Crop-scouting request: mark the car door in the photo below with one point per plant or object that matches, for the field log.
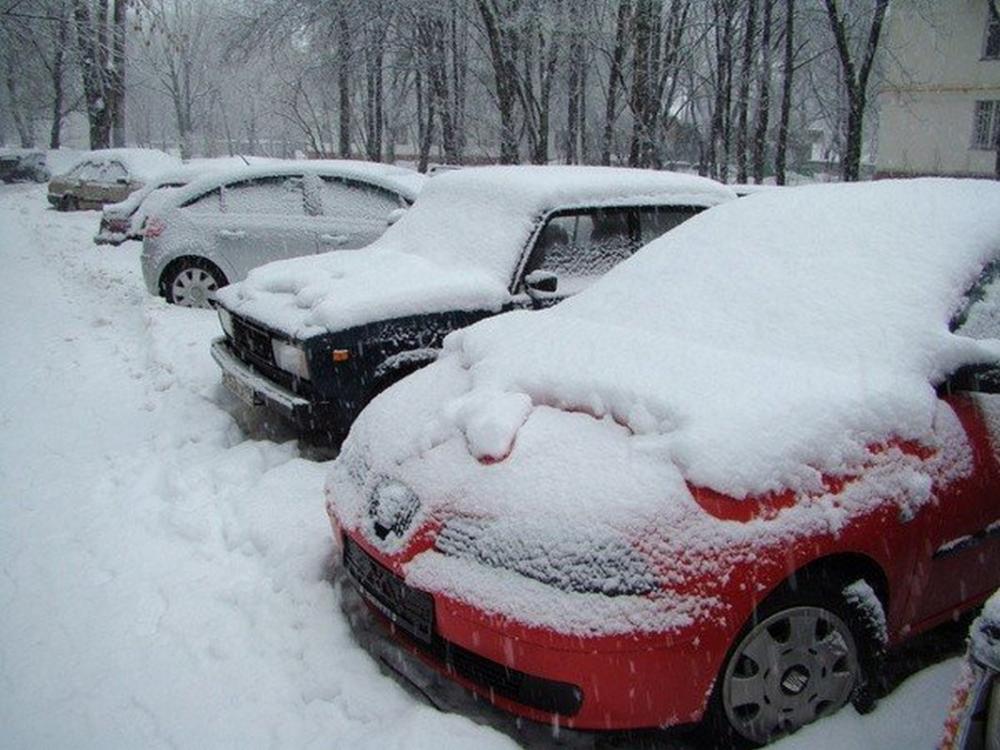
(263, 219)
(960, 560)
(353, 213)
(576, 247)
(111, 184)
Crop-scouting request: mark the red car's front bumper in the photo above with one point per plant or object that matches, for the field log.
(605, 682)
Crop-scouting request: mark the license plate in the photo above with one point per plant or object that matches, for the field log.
(408, 608)
(238, 388)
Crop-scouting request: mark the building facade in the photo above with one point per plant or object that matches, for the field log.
(939, 110)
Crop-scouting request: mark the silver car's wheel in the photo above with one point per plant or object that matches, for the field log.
(193, 286)
(790, 669)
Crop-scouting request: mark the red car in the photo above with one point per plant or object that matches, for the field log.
(714, 487)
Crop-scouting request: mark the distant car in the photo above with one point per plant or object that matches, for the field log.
(23, 165)
(126, 220)
(315, 339)
(107, 176)
(713, 487)
(974, 721)
(215, 230)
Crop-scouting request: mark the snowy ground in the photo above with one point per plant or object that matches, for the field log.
(165, 581)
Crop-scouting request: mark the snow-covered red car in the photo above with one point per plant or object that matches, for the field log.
(974, 720)
(716, 485)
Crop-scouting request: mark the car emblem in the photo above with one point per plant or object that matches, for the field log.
(392, 507)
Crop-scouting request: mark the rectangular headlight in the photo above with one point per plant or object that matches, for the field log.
(290, 358)
(226, 320)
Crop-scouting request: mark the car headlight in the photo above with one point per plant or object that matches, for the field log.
(602, 564)
(226, 321)
(290, 358)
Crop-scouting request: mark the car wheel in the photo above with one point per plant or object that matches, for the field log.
(801, 658)
(192, 282)
(68, 203)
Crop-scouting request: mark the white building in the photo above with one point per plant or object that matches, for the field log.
(940, 108)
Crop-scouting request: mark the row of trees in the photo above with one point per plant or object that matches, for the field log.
(736, 87)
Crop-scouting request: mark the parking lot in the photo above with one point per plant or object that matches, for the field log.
(166, 580)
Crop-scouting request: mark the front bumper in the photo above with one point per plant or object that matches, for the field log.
(629, 681)
(255, 389)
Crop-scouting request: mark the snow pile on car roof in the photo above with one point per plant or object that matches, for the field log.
(142, 163)
(769, 339)
(458, 247)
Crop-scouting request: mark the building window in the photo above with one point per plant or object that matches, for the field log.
(986, 125)
(991, 50)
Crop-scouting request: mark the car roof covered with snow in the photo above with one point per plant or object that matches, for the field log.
(142, 163)
(458, 247)
(406, 182)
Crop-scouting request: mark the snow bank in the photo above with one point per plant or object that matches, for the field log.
(468, 231)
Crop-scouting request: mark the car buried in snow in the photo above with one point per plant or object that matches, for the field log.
(215, 230)
(974, 720)
(314, 339)
(712, 488)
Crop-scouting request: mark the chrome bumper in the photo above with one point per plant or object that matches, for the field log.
(250, 386)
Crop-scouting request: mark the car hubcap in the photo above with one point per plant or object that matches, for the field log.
(194, 287)
(791, 669)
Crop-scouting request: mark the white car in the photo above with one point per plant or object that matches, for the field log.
(216, 229)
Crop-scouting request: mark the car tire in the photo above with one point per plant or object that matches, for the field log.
(805, 653)
(68, 203)
(192, 282)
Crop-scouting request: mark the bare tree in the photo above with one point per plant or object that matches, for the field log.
(615, 78)
(855, 79)
(759, 146)
(99, 32)
(743, 102)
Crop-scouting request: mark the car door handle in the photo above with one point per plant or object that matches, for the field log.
(234, 233)
(333, 239)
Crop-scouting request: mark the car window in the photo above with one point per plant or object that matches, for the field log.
(584, 244)
(89, 172)
(659, 220)
(979, 317)
(113, 171)
(266, 195)
(208, 203)
(356, 200)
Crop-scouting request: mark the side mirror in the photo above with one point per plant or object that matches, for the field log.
(540, 284)
(395, 215)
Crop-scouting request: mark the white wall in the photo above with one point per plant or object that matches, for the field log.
(935, 75)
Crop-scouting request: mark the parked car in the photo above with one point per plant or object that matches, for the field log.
(715, 486)
(126, 220)
(23, 165)
(974, 720)
(315, 339)
(107, 176)
(212, 232)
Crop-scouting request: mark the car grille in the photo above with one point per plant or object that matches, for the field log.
(252, 345)
(407, 608)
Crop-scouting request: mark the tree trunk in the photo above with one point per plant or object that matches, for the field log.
(614, 78)
(573, 86)
(92, 67)
(743, 106)
(58, 68)
(503, 59)
(781, 155)
(344, 82)
(116, 74)
(763, 97)
(855, 81)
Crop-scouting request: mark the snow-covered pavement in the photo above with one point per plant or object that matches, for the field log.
(163, 579)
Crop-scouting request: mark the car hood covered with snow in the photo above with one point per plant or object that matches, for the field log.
(765, 347)
(457, 248)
